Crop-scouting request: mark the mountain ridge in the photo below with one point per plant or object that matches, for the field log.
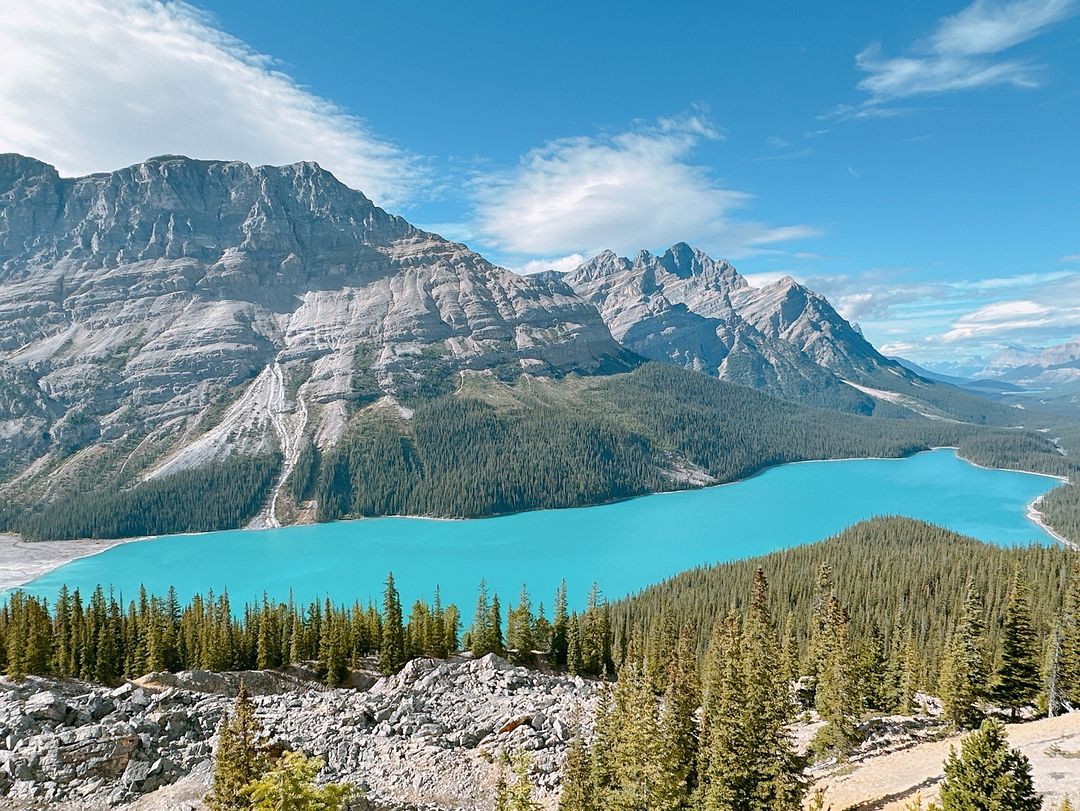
(181, 315)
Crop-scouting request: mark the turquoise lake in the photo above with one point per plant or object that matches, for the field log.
(623, 546)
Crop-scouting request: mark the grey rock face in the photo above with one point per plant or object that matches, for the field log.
(131, 301)
(687, 308)
(425, 738)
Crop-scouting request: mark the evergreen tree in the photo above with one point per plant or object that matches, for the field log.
(515, 794)
(602, 764)
(963, 671)
(577, 794)
(1068, 686)
(837, 695)
(871, 671)
(575, 663)
(646, 777)
(722, 767)
(1016, 681)
(988, 776)
(678, 723)
(595, 639)
(290, 786)
(494, 627)
(519, 630)
(768, 707)
(480, 634)
(239, 758)
(392, 652)
(560, 629)
(542, 630)
(909, 675)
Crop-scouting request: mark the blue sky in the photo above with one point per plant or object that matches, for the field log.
(920, 165)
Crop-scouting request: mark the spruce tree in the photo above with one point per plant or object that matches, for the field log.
(908, 681)
(239, 758)
(493, 642)
(290, 786)
(645, 773)
(988, 776)
(837, 695)
(769, 707)
(392, 653)
(678, 722)
(560, 628)
(1016, 682)
(518, 792)
(724, 781)
(602, 764)
(963, 671)
(519, 630)
(577, 794)
(480, 633)
(1069, 667)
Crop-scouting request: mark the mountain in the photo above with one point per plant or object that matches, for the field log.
(988, 386)
(153, 302)
(190, 345)
(1056, 368)
(684, 307)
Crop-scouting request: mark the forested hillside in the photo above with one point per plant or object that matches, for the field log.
(216, 496)
(493, 447)
(703, 663)
(921, 574)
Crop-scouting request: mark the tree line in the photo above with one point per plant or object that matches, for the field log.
(491, 448)
(920, 580)
(101, 639)
(221, 495)
(673, 734)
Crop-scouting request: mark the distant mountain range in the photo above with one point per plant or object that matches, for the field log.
(175, 313)
(1056, 368)
(1051, 371)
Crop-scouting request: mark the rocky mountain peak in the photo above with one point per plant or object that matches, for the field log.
(15, 168)
(134, 300)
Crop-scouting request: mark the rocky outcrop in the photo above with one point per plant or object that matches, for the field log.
(425, 738)
(139, 303)
(685, 307)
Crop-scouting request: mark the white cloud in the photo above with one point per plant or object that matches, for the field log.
(96, 85)
(765, 277)
(1010, 317)
(931, 321)
(1072, 257)
(631, 190)
(987, 27)
(560, 264)
(963, 53)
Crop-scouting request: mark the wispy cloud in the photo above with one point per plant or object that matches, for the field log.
(965, 51)
(1072, 257)
(560, 264)
(95, 85)
(625, 191)
(931, 320)
(1010, 318)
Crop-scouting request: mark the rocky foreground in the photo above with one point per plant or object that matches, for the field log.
(427, 738)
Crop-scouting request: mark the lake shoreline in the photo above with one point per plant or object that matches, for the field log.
(23, 561)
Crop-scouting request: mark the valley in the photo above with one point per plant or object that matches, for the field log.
(255, 429)
(615, 545)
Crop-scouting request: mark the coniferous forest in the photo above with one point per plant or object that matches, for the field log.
(900, 628)
(491, 448)
(702, 665)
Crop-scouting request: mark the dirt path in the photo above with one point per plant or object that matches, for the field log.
(889, 782)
